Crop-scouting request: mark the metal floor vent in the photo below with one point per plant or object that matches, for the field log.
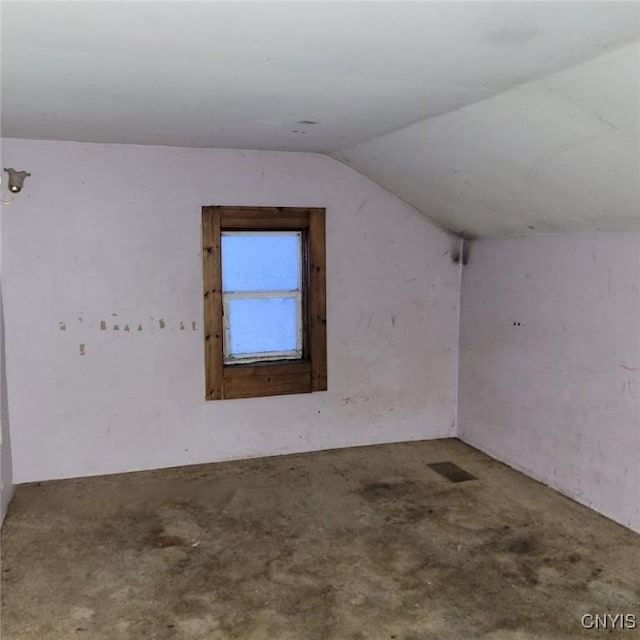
(451, 471)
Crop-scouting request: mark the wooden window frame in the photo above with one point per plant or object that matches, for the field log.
(270, 378)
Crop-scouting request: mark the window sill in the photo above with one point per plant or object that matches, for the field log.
(267, 379)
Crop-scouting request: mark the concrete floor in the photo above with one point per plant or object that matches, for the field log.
(356, 544)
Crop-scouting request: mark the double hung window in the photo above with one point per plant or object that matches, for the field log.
(264, 301)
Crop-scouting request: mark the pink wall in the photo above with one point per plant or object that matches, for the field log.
(557, 396)
(6, 474)
(111, 233)
(6, 463)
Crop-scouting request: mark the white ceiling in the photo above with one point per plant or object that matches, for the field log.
(558, 154)
(498, 141)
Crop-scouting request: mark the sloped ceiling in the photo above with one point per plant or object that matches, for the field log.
(491, 118)
(561, 153)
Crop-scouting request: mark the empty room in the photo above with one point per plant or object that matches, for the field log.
(320, 320)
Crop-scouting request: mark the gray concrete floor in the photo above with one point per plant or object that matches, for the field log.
(356, 544)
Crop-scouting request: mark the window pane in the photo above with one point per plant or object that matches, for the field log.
(268, 261)
(258, 325)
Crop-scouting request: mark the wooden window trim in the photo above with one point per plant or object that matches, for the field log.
(226, 381)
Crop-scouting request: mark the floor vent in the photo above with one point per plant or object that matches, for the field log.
(451, 471)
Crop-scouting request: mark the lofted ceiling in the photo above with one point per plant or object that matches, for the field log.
(557, 154)
(492, 118)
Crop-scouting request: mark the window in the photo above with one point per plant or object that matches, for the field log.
(264, 301)
(261, 295)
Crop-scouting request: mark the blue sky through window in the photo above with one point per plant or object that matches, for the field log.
(262, 325)
(267, 261)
